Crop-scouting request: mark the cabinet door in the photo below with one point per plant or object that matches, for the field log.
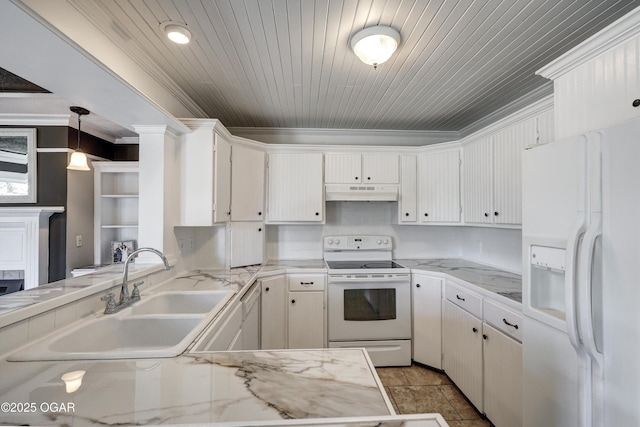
(502, 378)
(439, 187)
(342, 168)
(380, 168)
(273, 313)
(247, 184)
(245, 243)
(478, 182)
(427, 320)
(508, 147)
(306, 320)
(221, 180)
(462, 345)
(296, 192)
(408, 201)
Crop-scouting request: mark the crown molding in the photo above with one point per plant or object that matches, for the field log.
(619, 32)
(17, 119)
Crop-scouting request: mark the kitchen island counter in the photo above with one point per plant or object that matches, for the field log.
(206, 388)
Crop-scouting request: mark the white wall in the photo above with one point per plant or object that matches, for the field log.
(491, 246)
(79, 219)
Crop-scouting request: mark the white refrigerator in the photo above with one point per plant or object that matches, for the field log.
(581, 280)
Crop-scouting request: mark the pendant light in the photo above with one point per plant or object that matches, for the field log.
(78, 161)
(375, 45)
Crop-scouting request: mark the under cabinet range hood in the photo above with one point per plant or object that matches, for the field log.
(361, 193)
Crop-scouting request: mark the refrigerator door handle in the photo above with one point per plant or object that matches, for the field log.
(570, 297)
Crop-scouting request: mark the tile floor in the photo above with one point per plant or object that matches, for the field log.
(416, 389)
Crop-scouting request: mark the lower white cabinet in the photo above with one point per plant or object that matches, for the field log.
(273, 313)
(462, 345)
(245, 243)
(306, 311)
(502, 378)
(427, 319)
(251, 318)
(225, 334)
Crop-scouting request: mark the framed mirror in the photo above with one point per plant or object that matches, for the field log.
(17, 165)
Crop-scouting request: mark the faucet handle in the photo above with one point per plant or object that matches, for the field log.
(135, 294)
(111, 303)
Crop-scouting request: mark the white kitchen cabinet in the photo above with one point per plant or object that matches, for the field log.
(247, 183)
(427, 319)
(206, 175)
(295, 188)
(224, 334)
(306, 325)
(492, 175)
(273, 313)
(502, 378)
(306, 311)
(439, 186)
(462, 348)
(408, 198)
(115, 207)
(245, 243)
(345, 168)
(251, 317)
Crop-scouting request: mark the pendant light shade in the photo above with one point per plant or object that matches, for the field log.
(375, 45)
(78, 159)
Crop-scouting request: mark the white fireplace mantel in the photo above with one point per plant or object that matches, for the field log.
(24, 241)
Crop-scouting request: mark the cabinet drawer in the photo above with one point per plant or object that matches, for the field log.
(306, 282)
(503, 319)
(467, 300)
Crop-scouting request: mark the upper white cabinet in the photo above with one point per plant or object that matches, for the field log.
(408, 198)
(247, 183)
(206, 175)
(492, 175)
(295, 188)
(342, 168)
(439, 186)
(115, 207)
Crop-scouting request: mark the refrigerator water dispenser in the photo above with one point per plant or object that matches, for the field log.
(547, 280)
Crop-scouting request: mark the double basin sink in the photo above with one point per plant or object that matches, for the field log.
(160, 325)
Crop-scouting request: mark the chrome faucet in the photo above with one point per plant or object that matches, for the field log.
(125, 299)
(124, 291)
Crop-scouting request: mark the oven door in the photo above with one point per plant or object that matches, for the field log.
(363, 307)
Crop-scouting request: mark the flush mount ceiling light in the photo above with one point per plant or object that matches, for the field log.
(176, 32)
(374, 45)
(78, 161)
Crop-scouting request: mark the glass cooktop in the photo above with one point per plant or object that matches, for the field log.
(351, 265)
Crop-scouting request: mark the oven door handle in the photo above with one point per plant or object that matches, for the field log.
(368, 279)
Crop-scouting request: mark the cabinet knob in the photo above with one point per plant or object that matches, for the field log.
(636, 103)
(293, 301)
(486, 214)
(484, 337)
(266, 289)
(317, 213)
(369, 178)
(407, 214)
(417, 285)
(356, 178)
(259, 229)
(475, 330)
(496, 213)
(426, 214)
(259, 213)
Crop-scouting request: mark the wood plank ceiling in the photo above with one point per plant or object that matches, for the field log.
(287, 63)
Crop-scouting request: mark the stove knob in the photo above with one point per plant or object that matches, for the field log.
(330, 241)
(379, 241)
(386, 241)
(337, 241)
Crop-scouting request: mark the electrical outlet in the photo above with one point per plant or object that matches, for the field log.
(191, 243)
(181, 244)
(78, 240)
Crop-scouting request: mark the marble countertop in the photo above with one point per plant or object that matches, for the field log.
(196, 389)
(493, 280)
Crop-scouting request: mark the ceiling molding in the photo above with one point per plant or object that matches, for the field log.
(366, 137)
(127, 140)
(18, 119)
(617, 33)
(543, 93)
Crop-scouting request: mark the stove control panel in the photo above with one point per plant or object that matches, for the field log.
(354, 243)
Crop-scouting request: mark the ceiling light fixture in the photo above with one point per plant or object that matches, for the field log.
(375, 45)
(177, 33)
(78, 161)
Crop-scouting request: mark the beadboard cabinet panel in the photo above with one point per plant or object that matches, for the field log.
(342, 168)
(439, 187)
(478, 181)
(247, 184)
(408, 199)
(380, 168)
